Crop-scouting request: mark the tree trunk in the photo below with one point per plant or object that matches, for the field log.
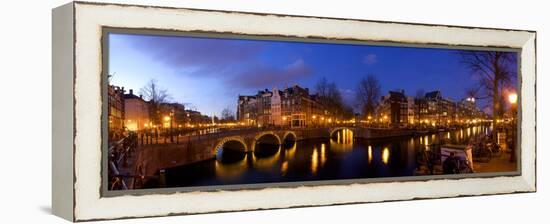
(495, 110)
(496, 101)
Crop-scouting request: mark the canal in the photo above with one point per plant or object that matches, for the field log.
(340, 157)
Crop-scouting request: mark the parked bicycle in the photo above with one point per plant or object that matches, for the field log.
(481, 152)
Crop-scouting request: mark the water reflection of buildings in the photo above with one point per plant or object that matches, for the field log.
(231, 170)
(266, 162)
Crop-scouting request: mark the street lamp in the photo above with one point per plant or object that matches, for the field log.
(168, 118)
(513, 98)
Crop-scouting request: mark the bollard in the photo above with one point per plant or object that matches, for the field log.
(162, 178)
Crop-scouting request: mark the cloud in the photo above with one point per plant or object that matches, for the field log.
(370, 59)
(196, 56)
(237, 63)
(265, 76)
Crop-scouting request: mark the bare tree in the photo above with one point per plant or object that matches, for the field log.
(494, 72)
(157, 97)
(227, 115)
(367, 94)
(330, 96)
(473, 92)
(322, 87)
(335, 97)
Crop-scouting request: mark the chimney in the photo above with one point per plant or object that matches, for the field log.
(131, 92)
(140, 96)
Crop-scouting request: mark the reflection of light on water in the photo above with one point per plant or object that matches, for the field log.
(314, 161)
(318, 158)
(230, 170)
(266, 162)
(344, 140)
(426, 141)
(323, 156)
(411, 143)
(370, 154)
(461, 133)
(291, 152)
(345, 136)
(385, 155)
(284, 168)
(468, 132)
(448, 135)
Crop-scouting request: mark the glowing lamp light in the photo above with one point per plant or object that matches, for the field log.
(166, 118)
(513, 98)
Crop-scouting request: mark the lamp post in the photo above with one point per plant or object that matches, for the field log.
(513, 98)
(169, 119)
(172, 126)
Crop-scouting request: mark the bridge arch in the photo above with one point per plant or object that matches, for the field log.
(289, 135)
(268, 137)
(334, 130)
(229, 140)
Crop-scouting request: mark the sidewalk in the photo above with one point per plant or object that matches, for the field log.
(497, 164)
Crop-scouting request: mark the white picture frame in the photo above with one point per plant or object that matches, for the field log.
(77, 110)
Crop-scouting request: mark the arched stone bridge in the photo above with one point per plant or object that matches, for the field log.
(204, 147)
(248, 140)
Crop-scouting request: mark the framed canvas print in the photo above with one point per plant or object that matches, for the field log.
(182, 111)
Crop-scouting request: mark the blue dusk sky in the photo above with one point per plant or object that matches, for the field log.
(208, 74)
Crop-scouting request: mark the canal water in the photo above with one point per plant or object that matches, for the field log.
(340, 157)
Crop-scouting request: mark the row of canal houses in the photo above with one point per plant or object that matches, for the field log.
(295, 107)
(130, 112)
(292, 107)
(433, 109)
